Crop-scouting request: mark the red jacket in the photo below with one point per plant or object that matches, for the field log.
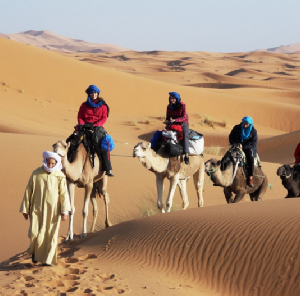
(97, 116)
(178, 115)
(297, 154)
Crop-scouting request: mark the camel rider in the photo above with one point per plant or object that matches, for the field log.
(176, 114)
(297, 154)
(244, 135)
(96, 111)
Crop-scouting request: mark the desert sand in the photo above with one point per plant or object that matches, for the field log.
(238, 249)
(51, 41)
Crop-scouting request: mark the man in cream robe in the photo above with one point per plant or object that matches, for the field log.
(46, 202)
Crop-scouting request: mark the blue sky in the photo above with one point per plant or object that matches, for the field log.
(174, 25)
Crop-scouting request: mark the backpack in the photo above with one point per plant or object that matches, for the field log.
(107, 143)
(173, 150)
(156, 141)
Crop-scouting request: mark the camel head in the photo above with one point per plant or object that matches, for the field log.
(61, 148)
(141, 149)
(284, 171)
(211, 165)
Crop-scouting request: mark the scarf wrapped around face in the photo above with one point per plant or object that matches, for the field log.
(245, 132)
(92, 104)
(49, 154)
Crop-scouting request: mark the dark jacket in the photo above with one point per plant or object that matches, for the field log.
(235, 137)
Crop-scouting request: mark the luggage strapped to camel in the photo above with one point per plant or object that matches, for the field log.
(170, 138)
(94, 138)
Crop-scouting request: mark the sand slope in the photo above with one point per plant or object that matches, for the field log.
(291, 48)
(243, 249)
(48, 40)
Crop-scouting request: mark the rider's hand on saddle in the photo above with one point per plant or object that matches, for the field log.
(172, 120)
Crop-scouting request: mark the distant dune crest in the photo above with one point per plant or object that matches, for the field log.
(48, 40)
(292, 48)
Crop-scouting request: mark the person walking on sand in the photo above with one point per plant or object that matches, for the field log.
(46, 202)
(95, 110)
(176, 114)
(244, 135)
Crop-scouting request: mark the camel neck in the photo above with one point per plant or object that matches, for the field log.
(223, 178)
(155, 163)
(73, 170)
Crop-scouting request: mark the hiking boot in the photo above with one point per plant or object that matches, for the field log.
(250, 183)
(109, 173)
(187, 160)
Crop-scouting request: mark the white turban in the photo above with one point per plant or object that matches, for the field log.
(49, 154)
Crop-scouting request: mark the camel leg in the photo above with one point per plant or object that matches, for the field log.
(253, 196)
(160, 191)
(95, 206)
(261, 190)
(173, 183)
(85, 211)
(239, 196)
(71, 190)
(106, 201)
(199, 182)
(183, 193)
(228, 195)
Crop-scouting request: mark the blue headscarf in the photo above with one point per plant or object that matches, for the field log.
(93, 88)
(245, 132)
(92, 104)
(178, 99)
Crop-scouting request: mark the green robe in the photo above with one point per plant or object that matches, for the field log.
(45, 198)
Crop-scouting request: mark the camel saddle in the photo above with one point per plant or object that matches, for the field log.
(237, 155)
(91, 137)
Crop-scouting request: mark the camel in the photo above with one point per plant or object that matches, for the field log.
(290, 179)
(81, 173)
(178, 173)
(233, 179)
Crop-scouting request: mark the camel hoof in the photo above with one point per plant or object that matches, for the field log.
(83, 235)
(108, 224)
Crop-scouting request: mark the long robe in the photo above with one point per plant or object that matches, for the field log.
(45, 198)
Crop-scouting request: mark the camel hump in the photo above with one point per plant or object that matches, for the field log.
(174, 164)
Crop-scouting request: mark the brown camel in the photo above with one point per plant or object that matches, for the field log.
(290, 178)
(176, 171)
(81, 173)
(235, 183)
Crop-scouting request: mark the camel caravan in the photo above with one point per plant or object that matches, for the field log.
(174, 153)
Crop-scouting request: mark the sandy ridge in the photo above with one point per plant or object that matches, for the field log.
(201, 246)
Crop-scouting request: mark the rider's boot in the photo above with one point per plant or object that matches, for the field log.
(250, 183)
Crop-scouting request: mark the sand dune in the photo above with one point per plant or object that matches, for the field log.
(48, 40)
(292, 48)
(279, 149)
(243, 249)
